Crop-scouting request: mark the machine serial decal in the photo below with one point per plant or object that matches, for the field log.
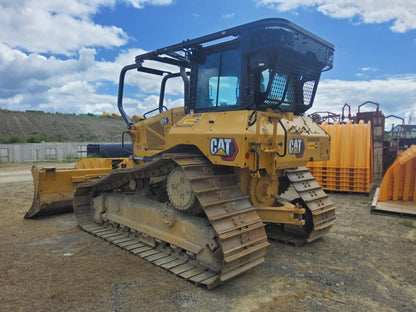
(296, 147)
(226, 148)
(193, 120)
(183, 125)
(312, 145)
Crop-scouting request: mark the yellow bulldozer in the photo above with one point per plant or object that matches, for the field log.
(202, 185)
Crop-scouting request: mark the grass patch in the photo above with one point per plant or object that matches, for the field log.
(71, 159)
(57, 138)
(34, 138)
(408, 223)
(37, 138)
(13, 139)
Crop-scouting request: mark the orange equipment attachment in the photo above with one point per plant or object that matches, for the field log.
(350, 165)
(397, 192)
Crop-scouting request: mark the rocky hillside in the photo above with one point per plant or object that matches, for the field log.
(34, 126)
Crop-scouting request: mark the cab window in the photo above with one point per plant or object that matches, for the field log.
(219, 80)
(287, 90)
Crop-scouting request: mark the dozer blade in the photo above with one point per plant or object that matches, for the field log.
(54, 187)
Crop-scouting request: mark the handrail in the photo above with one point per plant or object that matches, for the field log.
(276, 118)
(285, 144)
(160, 109)
(162, 89)
(120, 93)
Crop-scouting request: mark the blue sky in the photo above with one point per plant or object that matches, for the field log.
(65, 56)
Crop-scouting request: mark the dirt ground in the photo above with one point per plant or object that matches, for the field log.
(367, 263)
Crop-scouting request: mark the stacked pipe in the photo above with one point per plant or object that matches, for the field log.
(108, 150)
(350, 166)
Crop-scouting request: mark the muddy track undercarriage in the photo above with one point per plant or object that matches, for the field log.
(319, 211)
(233, 235)
(207, 241)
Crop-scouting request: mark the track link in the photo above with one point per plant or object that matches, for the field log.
(240, 231)
(320, 214)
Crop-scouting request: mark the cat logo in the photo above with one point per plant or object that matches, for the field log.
(296, 147)
(226, 148)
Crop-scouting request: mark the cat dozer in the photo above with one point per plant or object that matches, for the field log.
(203, 184)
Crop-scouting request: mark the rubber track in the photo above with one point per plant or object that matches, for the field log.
(321, 207)
(240, 230)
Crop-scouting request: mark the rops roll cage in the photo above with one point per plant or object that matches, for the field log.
(180, 55)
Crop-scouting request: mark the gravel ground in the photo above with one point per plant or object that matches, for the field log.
(367, 263)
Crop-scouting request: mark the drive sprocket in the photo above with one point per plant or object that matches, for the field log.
(180, 191)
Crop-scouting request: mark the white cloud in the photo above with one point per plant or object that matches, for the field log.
(21, 72)
(151, 102)
(71, 97)
(59, 27)
(228, 15)
(396, 95)
(402, 13)
(138, 4)
(366, 72)
(82, 96)
(175, 103)
(48, 57)
(33, 81)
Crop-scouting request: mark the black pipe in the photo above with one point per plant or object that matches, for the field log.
(120, 93)
(110, 150)
(186, 85)
(285, 150)
(162, 89)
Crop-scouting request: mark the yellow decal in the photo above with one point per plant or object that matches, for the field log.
(220, 152)
(191, 121)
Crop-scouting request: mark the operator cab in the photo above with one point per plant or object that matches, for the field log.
(257, 71)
